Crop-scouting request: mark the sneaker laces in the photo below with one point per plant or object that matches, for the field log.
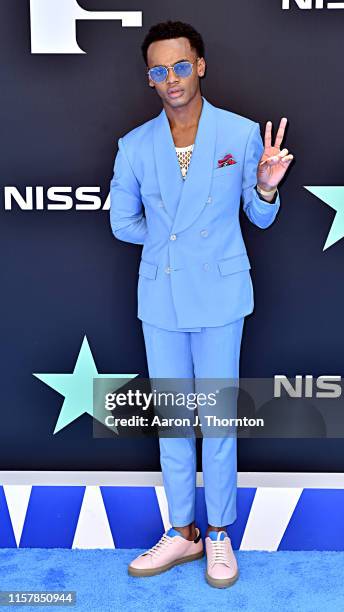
(164, 541)
(219, 552)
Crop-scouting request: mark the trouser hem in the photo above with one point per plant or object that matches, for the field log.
(178, 522)
(217, 521)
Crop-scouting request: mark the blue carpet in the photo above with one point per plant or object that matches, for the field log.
(284, 580)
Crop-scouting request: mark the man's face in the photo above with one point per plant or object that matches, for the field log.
(175, 91)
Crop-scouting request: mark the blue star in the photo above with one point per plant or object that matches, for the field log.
(334, 197)
(77, 388)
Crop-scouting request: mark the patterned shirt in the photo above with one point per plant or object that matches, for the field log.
(184, 158)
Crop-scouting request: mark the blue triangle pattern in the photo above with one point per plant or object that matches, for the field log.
(52, 516)
(7, 539)
(134, 516)
(317, 522)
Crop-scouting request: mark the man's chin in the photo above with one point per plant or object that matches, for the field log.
(176, 102)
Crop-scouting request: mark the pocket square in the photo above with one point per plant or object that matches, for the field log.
(227, 160)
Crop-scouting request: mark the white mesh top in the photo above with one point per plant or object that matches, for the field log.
(184, 158)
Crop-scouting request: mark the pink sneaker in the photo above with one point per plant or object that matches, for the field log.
(222, 568)
(172, 549)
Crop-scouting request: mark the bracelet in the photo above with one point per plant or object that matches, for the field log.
(266, 193)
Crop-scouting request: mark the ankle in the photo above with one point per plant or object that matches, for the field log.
(213, 528)
(188, 532)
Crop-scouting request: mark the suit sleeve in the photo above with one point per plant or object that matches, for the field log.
(259, 211)
(126, 210)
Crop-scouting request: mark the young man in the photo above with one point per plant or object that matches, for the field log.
(187, 169)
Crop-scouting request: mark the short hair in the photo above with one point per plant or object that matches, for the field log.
(173, 29)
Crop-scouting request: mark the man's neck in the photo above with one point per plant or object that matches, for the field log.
(184, 121)
(186, 117)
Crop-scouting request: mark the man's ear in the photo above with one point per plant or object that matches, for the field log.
(201, 67)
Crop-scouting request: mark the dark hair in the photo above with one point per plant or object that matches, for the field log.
(173, 29)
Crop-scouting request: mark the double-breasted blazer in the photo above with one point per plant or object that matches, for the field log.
(194, 270)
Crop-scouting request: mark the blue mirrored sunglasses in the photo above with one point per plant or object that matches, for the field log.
(158, 74)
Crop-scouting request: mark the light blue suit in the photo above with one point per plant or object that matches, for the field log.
(194, 287)
(194, 270)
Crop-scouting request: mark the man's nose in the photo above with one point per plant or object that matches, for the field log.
(171, 77)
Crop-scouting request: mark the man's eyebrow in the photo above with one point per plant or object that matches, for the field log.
(184, 59)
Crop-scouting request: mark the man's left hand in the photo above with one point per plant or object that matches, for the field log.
(274, 163)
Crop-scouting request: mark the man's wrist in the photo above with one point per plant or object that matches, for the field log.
(266, 194)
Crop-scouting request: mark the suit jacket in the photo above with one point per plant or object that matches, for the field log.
(194, 270)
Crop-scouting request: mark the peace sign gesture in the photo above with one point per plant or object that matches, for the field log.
(274, 163)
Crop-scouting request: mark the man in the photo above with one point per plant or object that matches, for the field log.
(187, 169)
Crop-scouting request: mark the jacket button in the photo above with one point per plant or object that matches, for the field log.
(204, 233)
(168, 270)
(173, 237)
(160, 204)
(206, 266)
(209, 200)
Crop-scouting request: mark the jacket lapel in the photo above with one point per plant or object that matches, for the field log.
(184, 199)
(200, 171)
(167, 165)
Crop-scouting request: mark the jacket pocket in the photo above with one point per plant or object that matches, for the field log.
(224, 170)
(237, 263)
(148, 269)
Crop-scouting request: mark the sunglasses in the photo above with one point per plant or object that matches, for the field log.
(183, 69)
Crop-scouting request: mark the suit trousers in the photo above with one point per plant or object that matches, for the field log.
(211, 352)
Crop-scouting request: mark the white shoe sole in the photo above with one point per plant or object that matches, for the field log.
(133, 571)
(221, 583)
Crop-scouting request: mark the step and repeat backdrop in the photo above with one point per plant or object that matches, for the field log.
(72, 82)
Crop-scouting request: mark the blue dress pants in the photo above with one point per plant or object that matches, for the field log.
(211, 352)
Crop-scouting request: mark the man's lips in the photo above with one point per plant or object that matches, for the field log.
(175, 92)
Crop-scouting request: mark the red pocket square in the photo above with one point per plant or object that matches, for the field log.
(227, 160)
